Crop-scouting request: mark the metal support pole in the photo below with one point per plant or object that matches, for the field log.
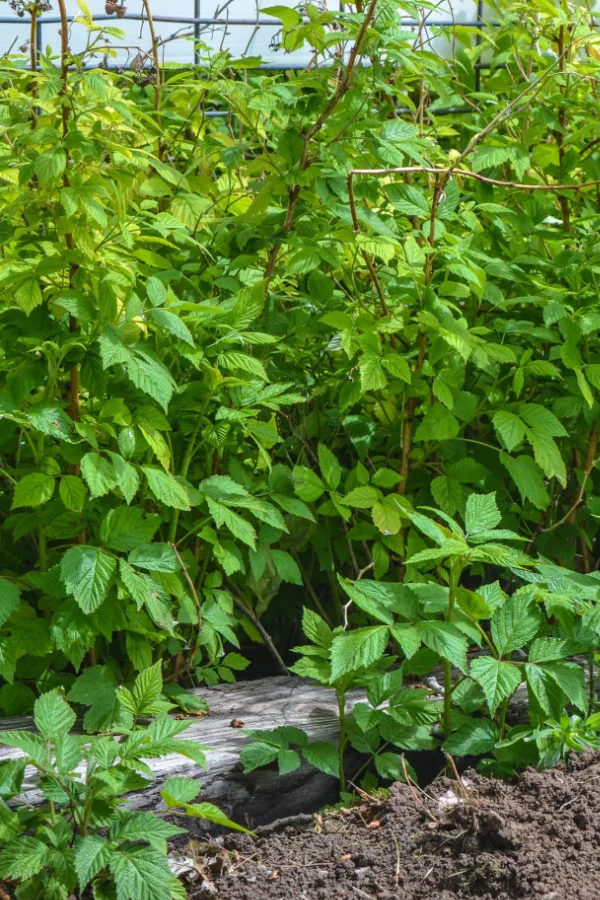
(196, 32)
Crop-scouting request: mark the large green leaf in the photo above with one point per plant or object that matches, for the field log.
(166, 488)
(482, 513)
(87, 573)
(499, 680)
(9, 599)
(446, 640)
(33, 490)
(357, 649)
(514, 624)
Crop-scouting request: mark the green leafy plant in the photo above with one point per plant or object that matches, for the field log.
(78, 833)
(272, 359)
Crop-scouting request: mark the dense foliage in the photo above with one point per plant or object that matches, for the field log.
(252, 323)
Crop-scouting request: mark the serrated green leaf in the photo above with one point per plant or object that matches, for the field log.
(141, 872)
(498, 680)
(286, 566)
(33, 490)
(446, 640)
(9, 599)
(52, 714)
(362, 497)
(307, 484)
(357, 649)
(509, 428)
(474, 738)
(92, 854)
(482, 513)
(23, 858)
(330, 467)
(323, 756)
(72, 492)
(155, 557)
(514, 624)
(152, 377)
(87, 574)
(126, 528)
(258, 754)
(98, 473)
(166, 488)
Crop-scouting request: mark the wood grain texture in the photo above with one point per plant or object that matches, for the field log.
(260, 796)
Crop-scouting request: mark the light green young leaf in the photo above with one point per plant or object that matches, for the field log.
(362, 497)
(207, 811)
(72, 492)
(307, 484)
(316, 629)
(99, 474)
(509, 428)
(33, 490)
(438, 424)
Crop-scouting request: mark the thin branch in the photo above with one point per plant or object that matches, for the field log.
(243, 607)
(464, 173)
(190, 582)
(589, 464)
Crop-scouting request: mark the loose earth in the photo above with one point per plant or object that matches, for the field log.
(536, 838)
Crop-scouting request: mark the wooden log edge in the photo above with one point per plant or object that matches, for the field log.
(261, 796)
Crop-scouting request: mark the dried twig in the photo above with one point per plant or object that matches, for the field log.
(415, 796)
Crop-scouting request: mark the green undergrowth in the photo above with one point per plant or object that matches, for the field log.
(298, 367)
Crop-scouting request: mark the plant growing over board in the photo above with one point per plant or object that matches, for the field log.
(77, 834)
(435, 617)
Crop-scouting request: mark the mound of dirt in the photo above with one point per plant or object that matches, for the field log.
(537, 838)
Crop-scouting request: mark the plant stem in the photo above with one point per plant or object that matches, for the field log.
(502, 720)
(455, 571)
(341, 700)
(185, 465)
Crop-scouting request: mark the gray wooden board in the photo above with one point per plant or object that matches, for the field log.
(260, 796)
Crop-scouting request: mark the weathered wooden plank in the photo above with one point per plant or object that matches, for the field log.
(259, 796)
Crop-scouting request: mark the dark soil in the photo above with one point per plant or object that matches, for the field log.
(537, 838)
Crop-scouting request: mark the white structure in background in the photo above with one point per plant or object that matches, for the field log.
(243, 30)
